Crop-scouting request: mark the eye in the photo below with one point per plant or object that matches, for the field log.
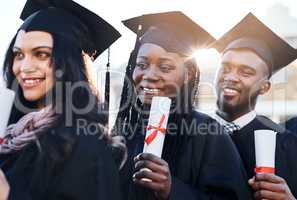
(42, 55)
(226, 69)
(166, 67)
(247, 72)
(18, 55)
(141, 65)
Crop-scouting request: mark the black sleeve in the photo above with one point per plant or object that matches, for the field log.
(223, 174)
(216, 169)
(180, 190)
(90, 173)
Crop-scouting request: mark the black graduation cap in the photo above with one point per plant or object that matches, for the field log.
(71, 20)
(174, 31)
(250, 33)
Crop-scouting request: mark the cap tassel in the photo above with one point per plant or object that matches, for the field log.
(107, 87)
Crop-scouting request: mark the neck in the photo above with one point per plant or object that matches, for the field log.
(229, 117)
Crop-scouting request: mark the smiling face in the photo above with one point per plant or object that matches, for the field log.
(243, 75)
(32, 63)
(158, 73)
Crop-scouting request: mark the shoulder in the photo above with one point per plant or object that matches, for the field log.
(291, 125)
(267, 123)
(213, 132)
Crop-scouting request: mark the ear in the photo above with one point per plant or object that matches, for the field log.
(265, 86)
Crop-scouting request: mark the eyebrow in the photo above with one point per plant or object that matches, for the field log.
(143, 57)
(36, 48)
(239, 65)
(166, 59)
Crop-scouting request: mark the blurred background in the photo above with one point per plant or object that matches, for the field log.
(215, 16)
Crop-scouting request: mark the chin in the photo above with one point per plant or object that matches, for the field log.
(33, 97)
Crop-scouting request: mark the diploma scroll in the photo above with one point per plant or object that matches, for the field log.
(156, 128)
(265, 143)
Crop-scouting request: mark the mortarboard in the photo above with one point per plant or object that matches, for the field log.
(67, 18)
(250, 33)
(174, 31)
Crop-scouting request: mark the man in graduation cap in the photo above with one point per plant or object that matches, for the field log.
(199, 161)
(251, 54)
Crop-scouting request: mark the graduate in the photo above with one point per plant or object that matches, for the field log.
(251, 53)
(199, 161)
(48, 150)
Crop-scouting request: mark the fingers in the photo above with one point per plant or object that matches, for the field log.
(270, 186)
(155, 186)
(264, 185)
(269, 178)
(163, 169)
(147, 174)
(265, 194)
(150, 157)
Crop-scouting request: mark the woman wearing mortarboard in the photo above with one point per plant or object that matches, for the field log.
(198, 160)
(54, 146)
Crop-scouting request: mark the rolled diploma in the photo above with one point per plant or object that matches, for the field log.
(6, 102)
(265, 143)
(158, 119)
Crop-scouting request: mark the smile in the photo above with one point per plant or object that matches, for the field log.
(151, 90)
(231, 91)
(31, 82)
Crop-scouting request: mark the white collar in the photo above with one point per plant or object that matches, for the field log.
(241, 121)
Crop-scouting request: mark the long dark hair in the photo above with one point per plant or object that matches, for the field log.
(57, 144)
(70, 69)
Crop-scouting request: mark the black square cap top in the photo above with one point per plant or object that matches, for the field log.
(174, 31)
(69, 19)
(250, 33)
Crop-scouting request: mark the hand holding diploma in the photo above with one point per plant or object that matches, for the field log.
(152, 172)
(266, 184)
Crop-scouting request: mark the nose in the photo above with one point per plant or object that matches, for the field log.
(151, 74)
(27, 65)
(231, 76)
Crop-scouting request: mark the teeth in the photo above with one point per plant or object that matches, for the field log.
(228, 90)
(31, 82)
(151, 90)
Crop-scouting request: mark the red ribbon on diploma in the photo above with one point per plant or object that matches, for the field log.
(268, 170)
(1, 140)
(154, 134)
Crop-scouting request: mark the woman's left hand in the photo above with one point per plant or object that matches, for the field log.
(153, 172)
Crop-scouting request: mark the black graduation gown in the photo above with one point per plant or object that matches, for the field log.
(88, 172)
(291, 125)
(209, 166)
(286, 148)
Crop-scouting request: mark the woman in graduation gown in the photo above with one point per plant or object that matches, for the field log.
(198, 161)
(54, 147)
